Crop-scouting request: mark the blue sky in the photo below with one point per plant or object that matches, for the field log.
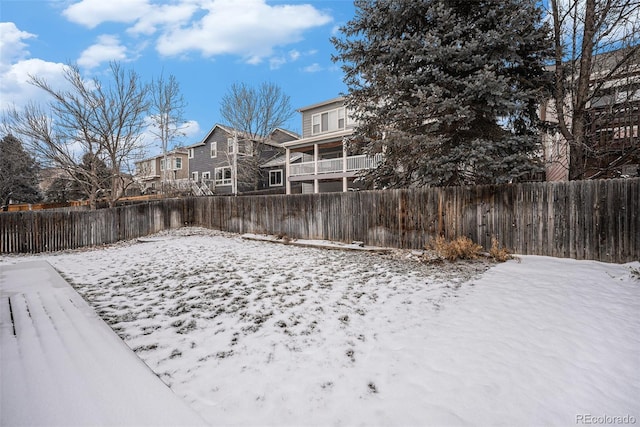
(207, 44)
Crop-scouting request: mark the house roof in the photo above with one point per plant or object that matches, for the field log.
(226, 129)
(231, 131)
(179, 150)
(281, 160)
(286, 131)
(320, 104)
(319, 139)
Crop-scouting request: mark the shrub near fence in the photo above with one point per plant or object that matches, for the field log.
(595, 219)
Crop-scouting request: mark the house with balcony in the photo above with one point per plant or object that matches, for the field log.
(319, 162)
(153, 172)
(227, 161)
(612, 138)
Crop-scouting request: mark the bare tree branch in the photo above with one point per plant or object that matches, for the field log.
(596, 42)
(167, 115)
(103, 121)
(254, 113)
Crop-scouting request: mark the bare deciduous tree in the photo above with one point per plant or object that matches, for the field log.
(596, 49)
(167, 115)
(91, 118)
(254, 113)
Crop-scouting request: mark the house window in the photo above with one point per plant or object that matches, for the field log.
(206, 175)
(214, 150)
(340, 118)
(230, 145)
(223, 175)
(162, 164)
(194, 176)
(191, 153)
(178, 163)
(275, 178)
(329, 121)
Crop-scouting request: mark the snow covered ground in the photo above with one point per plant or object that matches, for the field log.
(258, 333)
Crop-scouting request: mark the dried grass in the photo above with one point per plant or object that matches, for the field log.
(499, 253)
(460, 248)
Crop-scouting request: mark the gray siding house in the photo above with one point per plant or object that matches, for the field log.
(319, 161)
(223, 150)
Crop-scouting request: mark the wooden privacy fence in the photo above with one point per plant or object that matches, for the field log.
(39, 231)
(596, 219)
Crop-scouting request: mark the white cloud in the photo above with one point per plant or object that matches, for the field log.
(164, 16)
(12, 47)
(294, 55)
(276, 62)
(191, 128)
(14, 87)
(15, 68)
(313, 68)
(249, 28)
(91, 13)
(107, 48)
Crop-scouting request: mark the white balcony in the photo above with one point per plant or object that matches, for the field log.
(353, 163)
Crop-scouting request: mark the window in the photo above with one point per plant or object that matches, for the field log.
(230, 145)
(329, 121)
(191, 153)
(194, 176)
(178, 163)
(206, 175)
(162, 164)
(214, 149)
(324, 121)
(223, 175)
(275, 178)
(340, 118)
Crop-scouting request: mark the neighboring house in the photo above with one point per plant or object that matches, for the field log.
(151, 172)
(612, 139)
(48, 176)
(319, 162)
(223, 150)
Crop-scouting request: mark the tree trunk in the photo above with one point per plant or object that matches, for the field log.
(577, 145)
(577, 152)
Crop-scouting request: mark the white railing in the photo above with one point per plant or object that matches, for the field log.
(202, 188)
(354, 163)
(180, 184)
(330, 165)
(304, 168)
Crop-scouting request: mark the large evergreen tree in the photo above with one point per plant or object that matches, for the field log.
(18, 173)
(448, 89)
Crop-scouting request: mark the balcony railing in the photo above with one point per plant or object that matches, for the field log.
(354, 163)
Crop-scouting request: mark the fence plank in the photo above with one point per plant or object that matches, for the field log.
(583, 219)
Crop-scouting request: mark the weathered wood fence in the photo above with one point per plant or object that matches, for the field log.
(596, 219)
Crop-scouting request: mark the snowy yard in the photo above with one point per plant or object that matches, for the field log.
(257, 333)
